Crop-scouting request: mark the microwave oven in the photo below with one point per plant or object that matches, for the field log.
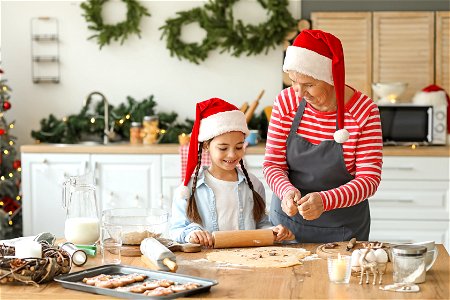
(408, 123)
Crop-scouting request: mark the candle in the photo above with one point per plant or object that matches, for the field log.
(27, 249)
(339, 269)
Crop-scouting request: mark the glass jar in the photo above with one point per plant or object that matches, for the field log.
(409, 263)
(135, 133)
(150, 130)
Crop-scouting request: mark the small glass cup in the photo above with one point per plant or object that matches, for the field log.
(339, 269)
(110, 243)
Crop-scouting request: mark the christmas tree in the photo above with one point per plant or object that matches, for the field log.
(10, 167)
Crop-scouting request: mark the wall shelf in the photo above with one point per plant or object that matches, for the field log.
(45, 50)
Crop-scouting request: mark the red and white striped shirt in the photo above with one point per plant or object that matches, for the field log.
(362, 152)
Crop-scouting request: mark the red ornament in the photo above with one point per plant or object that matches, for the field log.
(6, 105)
(17, 164)
(2, 131)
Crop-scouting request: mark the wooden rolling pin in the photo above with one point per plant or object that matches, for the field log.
(249, 112)
(243, 238)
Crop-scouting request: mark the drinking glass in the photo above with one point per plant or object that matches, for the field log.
(111, 243)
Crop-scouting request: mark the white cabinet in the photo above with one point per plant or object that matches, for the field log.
(411, 204)
(124, 180)
(42, 179)
(171, 178)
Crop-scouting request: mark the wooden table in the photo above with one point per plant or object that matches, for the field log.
(309, 281)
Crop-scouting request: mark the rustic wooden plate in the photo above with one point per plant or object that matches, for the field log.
(341, 247)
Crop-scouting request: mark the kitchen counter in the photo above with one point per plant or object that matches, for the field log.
(125, 148)
(309, 280)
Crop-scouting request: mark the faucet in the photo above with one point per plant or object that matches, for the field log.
(108, 132)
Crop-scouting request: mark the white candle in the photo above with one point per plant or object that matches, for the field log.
(27, 249)
(339, 269)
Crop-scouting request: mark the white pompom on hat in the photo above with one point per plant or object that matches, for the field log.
(320, 55)
(213, 118)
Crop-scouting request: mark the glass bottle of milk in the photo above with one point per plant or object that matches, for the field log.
(82, 221)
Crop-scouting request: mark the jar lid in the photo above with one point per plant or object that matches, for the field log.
(409, 250)
(150, 118)
(135, 124)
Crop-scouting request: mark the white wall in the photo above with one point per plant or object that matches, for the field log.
(139, 68)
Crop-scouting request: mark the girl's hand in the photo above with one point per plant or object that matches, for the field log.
(282, 233)
(311, 206)
(289, 202)
(201, 237)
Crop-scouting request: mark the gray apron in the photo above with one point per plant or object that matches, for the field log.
(314, 168)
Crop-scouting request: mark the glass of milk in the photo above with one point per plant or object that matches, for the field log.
(82, 225)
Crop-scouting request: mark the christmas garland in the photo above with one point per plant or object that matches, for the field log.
(216, 18)
(105, 32)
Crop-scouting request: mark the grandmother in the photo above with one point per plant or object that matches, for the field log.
(324, 146)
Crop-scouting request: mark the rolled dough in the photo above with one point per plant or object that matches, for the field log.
(260, 257)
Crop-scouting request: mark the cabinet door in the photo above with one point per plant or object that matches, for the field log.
(127, 180)
(403, 49)
(42, 179)
(169, 185)
(443, 49)
(410, 200)
(354, 29)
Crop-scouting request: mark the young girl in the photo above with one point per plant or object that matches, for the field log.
(222, 196)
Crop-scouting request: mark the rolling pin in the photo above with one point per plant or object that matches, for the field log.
(243, 238)
(251, 109)
(159, 255)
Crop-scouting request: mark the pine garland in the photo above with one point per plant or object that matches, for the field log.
(224, 33)
(106, 32)
(79, 128)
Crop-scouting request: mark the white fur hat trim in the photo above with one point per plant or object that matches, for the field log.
(438, 98)
(220, 123)
(308, 62)
(341, 136)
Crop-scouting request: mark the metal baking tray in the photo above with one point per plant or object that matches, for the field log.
(74, 281)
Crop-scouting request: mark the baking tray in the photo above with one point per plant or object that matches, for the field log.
(74, 281)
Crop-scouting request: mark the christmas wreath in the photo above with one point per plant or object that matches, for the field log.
(193, 52)
(251, 39)
(106, 32)
(223, 32)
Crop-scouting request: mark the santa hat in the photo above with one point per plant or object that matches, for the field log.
(319, 54)
(213, 117)
(434, 95)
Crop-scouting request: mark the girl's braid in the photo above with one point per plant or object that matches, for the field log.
(192, 210)
(259, 206)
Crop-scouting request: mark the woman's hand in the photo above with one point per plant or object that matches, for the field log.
(310, 206)
(201, 237)
(289, 202)
(282, 233)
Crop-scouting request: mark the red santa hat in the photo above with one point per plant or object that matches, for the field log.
(213, 117)
(434, 95)
(319, 54)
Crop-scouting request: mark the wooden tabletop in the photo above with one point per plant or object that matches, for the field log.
(309, 281)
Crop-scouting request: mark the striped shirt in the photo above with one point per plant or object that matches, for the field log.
(362, 152)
